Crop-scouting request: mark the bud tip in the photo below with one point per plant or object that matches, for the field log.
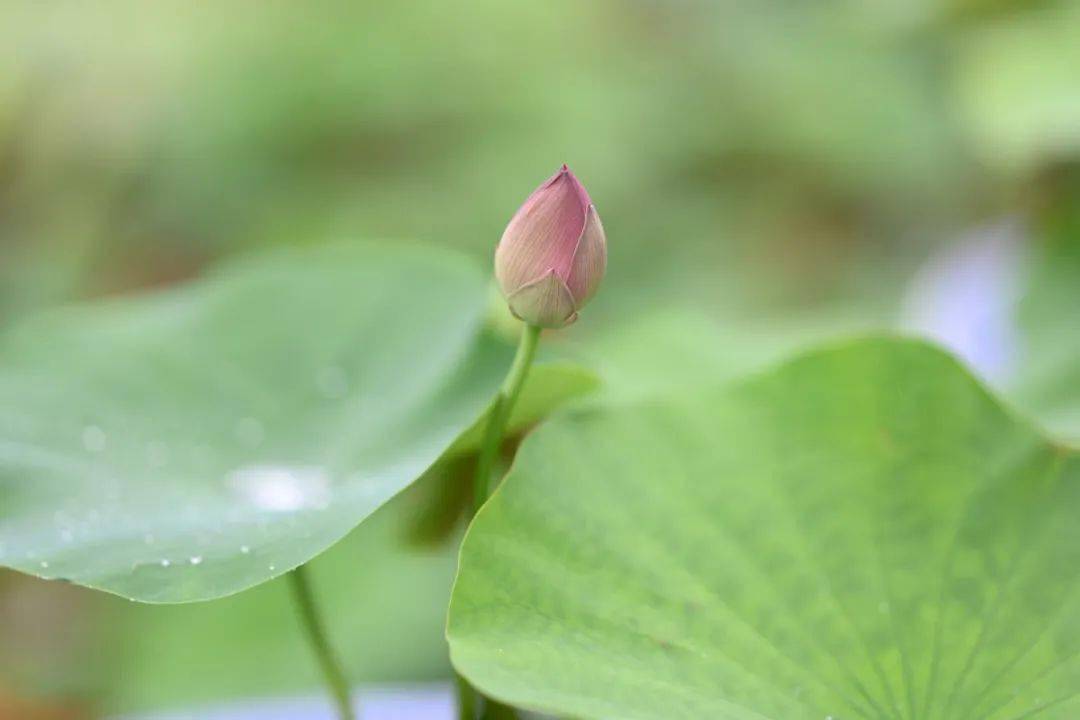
(553, 253)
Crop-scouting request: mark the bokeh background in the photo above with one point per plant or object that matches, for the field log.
(769, 173)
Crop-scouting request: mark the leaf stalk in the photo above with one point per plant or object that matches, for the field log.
(315, 629)
(472, 705)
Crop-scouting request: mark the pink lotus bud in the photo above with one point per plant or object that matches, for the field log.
(552, 254)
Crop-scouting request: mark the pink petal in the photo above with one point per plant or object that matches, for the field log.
(543, 234)
(590, 260)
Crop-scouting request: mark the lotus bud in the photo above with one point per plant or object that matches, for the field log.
(553, 253)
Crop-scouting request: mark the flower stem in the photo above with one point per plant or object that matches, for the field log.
(316, 632)
(472, 705)
(468, 700)
(500, 411)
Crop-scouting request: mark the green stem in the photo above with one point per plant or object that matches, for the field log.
(469, 702)
(316, 632)
(472, 705)
(494, 710)
(500, 411)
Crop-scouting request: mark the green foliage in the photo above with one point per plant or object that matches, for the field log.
(194, 443)
(670, 351)
(1048, 381)
(549, 385)
(779, 167)
(384, 605)
(444, 493)
(862, 533)
(1016, 88)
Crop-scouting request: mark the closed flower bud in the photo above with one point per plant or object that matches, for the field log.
(553, 253)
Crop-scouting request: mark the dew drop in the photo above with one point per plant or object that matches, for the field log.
(44, 564)
(94, 439)
(244, 550)
(165, 562)
(195, 559)
(272, 568)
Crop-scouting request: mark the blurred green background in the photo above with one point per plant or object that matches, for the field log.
(767, 172)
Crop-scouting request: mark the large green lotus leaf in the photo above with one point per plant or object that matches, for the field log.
(863, 533)
(375, 592)
(193, 443)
